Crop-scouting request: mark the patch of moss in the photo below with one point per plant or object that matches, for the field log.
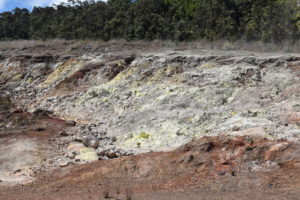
(144, 135)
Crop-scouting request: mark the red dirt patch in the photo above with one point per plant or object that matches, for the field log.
(213, 167)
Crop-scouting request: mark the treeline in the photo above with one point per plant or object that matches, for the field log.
(180, 20)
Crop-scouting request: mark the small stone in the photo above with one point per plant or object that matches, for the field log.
(71, 155)
(189, 158)
(70, 123)
(101, 152)
(90, 142)
(17, 171)
(111, 155)
(122, 153)
(114, 139)
(63, 133)
(179, 132)
(87, 141)
(129, 153)
(51, 161)
(1, 181)
(94, 143)
(64, 164)
(236, 128)
(40, 129)
(78, 139)
(103, 133)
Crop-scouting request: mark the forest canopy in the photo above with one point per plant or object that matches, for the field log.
(180, 20)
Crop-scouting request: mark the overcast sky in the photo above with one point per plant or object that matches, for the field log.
(6, 5)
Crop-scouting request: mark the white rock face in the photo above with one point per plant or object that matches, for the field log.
(163, 100)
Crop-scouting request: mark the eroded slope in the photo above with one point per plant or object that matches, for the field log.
(160, 101)
(61, 110)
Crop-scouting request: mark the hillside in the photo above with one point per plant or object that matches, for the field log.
(187, 122)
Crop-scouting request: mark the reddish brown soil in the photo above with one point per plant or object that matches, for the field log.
(209, 168)
(38, 125)
(25, 145)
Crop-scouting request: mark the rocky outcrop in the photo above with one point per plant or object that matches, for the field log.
(160, 101)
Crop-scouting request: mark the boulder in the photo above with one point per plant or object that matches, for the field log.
(94, 143)
(71, 155)
(87, 141)
(90, 142)
(101, 152)
(111, 154)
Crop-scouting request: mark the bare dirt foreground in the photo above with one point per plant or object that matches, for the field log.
(25, 147)
(210, 168)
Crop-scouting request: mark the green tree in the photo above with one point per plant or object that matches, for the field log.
(180, 20)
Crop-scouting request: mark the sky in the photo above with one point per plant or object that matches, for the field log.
(8, 5)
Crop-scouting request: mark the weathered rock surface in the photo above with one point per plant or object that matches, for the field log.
(106, 106)
(159, 101)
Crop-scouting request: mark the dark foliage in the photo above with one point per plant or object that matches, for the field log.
(180, 20)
